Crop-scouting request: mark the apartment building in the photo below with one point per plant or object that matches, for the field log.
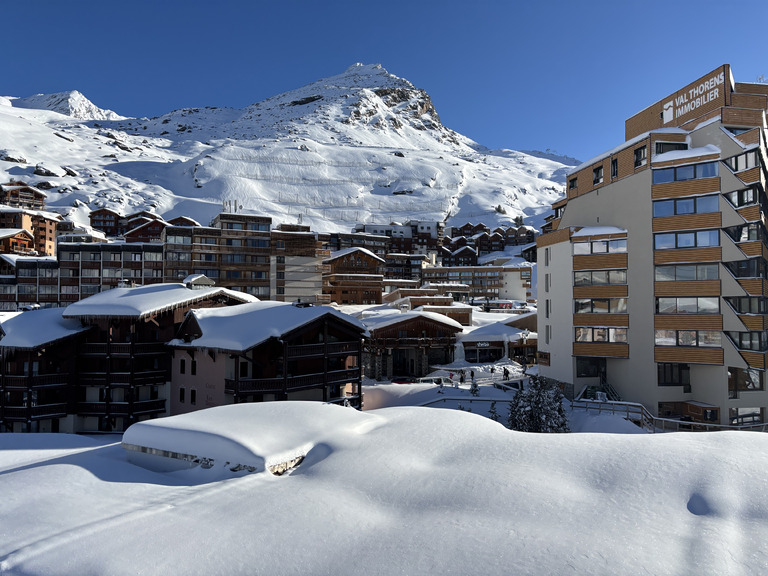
(485, 282)
(653, 278)
(41, 224)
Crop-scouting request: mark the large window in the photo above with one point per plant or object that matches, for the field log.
(641, 156)
(600, 335)
(699, 338)
(600, 247)
(689, 172)
(599, 277)
(688, 305)
(699, 239)
(589, 367)
(747, 232)
(755, 341)
(743, 197)
(742, 416)
(662, 147)
(687, 272)
(752, 268)
(597, 175)
(743, 161)
(743, 380)
(674, 375)
(747, 304)
(696, 205)
(600, 306)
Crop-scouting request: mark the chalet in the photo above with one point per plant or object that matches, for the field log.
(407, 343)
(183, 221)
(16, 241)
(42, 225)
(466, 256)
(265, 351)
(492, 342)
(354, 277)
(110, 222)
(38, 379)
(124, 364)
(20, 195)
(150, 230)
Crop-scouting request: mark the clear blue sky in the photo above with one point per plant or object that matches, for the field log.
(562, 75)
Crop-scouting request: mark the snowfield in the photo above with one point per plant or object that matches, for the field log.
(398, 490)
(361, 147)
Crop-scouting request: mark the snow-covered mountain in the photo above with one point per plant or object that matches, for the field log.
(363, 146)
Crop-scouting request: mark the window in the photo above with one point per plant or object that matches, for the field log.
(599, 277)
(689, 172)
(743, 161)
(600, 247)
(743, 380)
(243, 369)
(702, 238)
(600, 305)
(674, 375)
(588, 367)
(699, 205)
(600, 334)
(745, 197)
(193, 367)
(193, 396)
(687, 272)
(663, 147)
(747, 232)
(597, 175)
(181, 395)
(641, 156)
(755, 341)
(753, 268)
(614, 168)
(688, 305)
(743, 416)
(572, 184)
(700, 338)
(747, 304)
(182, 366)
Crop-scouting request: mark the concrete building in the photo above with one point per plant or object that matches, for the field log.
(652, 282)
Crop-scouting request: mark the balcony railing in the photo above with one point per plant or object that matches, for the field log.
(19, 413)
(293, 383)
(145, 378)
(120, 408)
(435, 342)
(26, 382)
(307, 350)
(122, 348)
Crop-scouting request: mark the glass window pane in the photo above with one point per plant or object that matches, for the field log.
(664, 241)
(618, 334)
(663, 208)
(600, 334)
(600, 277)
(619, 305)
(617, 276)
(686, 272)
(599, 247)
(686, 306)
(686, 239)
(685, 173)
(686, 337)
(582, 278)
(706, 204)
(582, 306)
(665, 273)
(709, 305)
(709, 338)
(666, 338)
(708, 170)
(580, 248)
(663, 175)
(600, 305)
(617, 246)
(685, 206)
(707, 272)
(583, 334)
(666, 305)
(708, 238)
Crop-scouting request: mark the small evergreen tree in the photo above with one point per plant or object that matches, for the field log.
(538, 408)
(492, 413)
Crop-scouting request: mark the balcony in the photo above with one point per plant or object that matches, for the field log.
(123, 379)
(19, 413)
(121, 408)
(26, 382)
(293, 383)
(319, 350)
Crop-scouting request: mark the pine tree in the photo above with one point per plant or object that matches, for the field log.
(538, 408)
(492, 413)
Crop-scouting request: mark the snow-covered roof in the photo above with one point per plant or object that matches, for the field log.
(13, 259)
(340, 253)
(8, 232)
(143, 301)
(36, 328)
(496, 331)
(377, 322)
(598, 230)
(5, 209)
(706, 150)
(240, 328)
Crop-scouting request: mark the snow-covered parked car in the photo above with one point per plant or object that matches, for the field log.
(444, 380)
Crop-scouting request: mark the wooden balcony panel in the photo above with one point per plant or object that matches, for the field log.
(682, 255)
(688, 355)
(754, 359)
(688, 222)
(687, 288)
(603, 291)
(754, 321)
(754, 286)
(603, 350)
(685, 188)
(610, 320)
(600, 261)
(688, 321)
(750, 213)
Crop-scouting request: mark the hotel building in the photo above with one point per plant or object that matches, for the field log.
(653, 276)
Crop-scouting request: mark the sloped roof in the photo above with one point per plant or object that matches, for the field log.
(143, 301)
(384, 320)
(36, 328)
(340, 253)
(240, 328)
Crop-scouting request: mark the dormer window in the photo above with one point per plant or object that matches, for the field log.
(641, 156)
(597, 175)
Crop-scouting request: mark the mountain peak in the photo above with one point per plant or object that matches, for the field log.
(71, 103)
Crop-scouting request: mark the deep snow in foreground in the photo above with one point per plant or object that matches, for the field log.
(399, 490)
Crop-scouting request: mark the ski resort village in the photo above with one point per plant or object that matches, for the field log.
(326, 334)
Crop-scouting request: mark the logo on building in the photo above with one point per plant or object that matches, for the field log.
(669, 112)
